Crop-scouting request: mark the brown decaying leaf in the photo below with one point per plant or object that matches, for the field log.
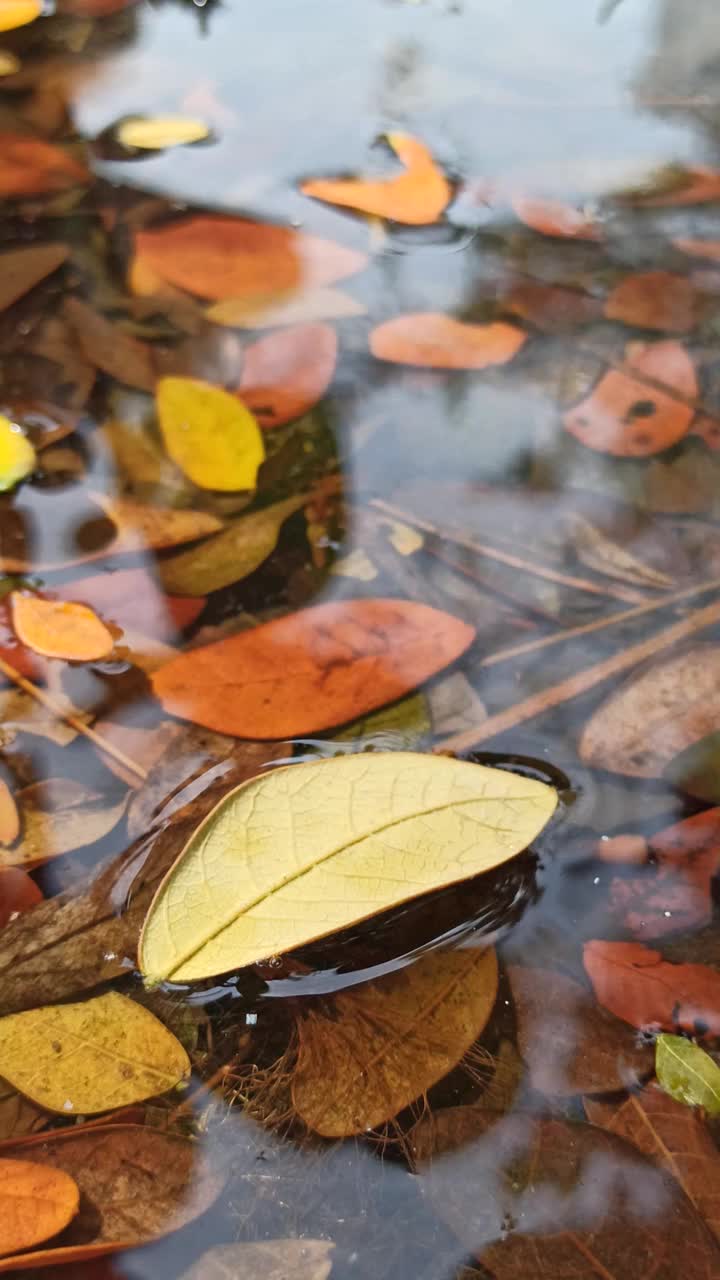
(140, 526)
(544, 1199)
(109, 348)
(18, 893)
(217, 258)
(674, 892)
(18, 1116)
(384, 1044)
(657, 714)
(437, 341)
(311, 670)
(673, 1135)
(553, 218)
(571, 1045)
(73, 943)
(22, 269)
(36, 1203)
(60, 815)
(654, 300)
(552, 308)
(636, 984)
(285, 374)
(416, 197)
(136, 1184)
(628, 414)
(31, 167)
(267, 1260)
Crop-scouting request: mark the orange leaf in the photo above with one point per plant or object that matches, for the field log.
(654, 300)
(18, 893)
(438, 341)
(132, 599)
(553, 218)
(699, 248)
(286, 373)
(631, 418)
(416, 197)
(9, 817)
(36, 1202)
(30, 167)
(311, 670)
(232, 258)
(60, 628)
(635, 983)
(699, 187)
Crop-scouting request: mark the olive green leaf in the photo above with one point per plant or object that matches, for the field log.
(688, 1073)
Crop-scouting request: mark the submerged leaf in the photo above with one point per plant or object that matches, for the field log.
(696, 770)
(311, 670)
(84, 1058)
(416, 197)
(17, 456)
(22, 269)
(385, 1043)
(654, 300)
(297, 306)
(141, 527)
(636, 984)
(673, 892)
(437, 341)
(553, 218)
(60, 815)
(36, 1203)
(133, 600)
(18, 893)
(31, 167)
(218, 258)
(109, 348)
(687, 1073)
(135, 1184)
(231, 555)
(156, 133)
(60, 628)
(629, 414)
(285, 374)
(265, 1260)
(304, 851)
(211, 436)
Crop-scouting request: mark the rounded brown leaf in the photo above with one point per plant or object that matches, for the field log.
(36, 1203)
(654, 300)
(636, 984)
(285, 374)
(437, 341)
(311, 670)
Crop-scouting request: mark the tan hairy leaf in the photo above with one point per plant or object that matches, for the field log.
(36, 1203)
(266, 1260)
(230, 556)
(170, 1184)
(60, 815)
(671, 1134)
(83, 1058)
(311, 670)
(22, 269)
(570, 1044)
(384, 1044)
(657, 714)
(304, 851)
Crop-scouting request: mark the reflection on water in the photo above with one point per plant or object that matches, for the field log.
(565, 552)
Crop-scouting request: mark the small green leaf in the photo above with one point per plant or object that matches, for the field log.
(17, 456)
(688, 1073)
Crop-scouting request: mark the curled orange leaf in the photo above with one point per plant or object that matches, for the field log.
(60, 628)
(36, 1202)
(654, 300)
(437, 341)
(220, 258)
(286, 373)
(553, 218)
(31, 167)
(415, 197)
(627, 414)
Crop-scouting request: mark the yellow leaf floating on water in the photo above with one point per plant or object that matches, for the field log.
(157, 133)
(95, 1056)
(36, 1202)
(17, 456)
(301, 852)
(18, 13)
(211, 436)
(60, 628)
(384, 1044)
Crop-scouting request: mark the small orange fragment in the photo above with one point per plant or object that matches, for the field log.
(437, 341)
(60, 628)
(18, 893)
(654, 300)
(416, 197)
(9, 817)
(553, 218)
(627, 414)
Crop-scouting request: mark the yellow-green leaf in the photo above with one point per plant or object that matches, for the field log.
(688, 1073)
(211, 436)
(83, 1058)
(156, 133)
(17, 456)
(301, 852)
(232, 555)
(17, 13)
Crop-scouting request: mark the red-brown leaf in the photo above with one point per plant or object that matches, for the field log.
(635, 983)
(285, 374)
(654, 300)
(31, 167)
